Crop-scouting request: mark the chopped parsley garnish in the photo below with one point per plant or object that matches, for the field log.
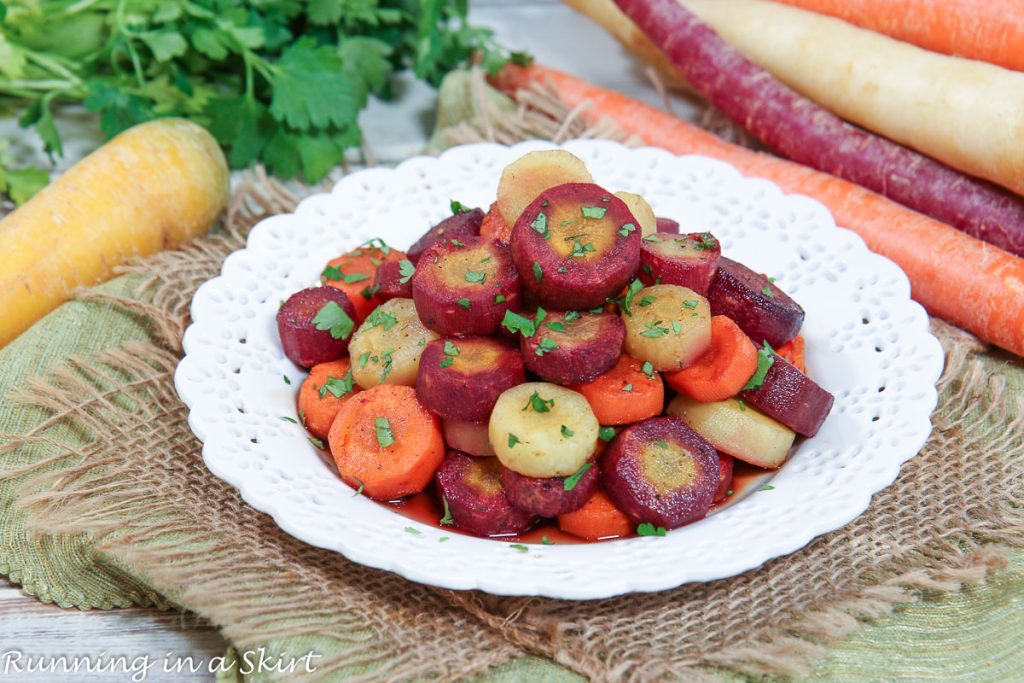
(596, 309)
(647, 300)
(539, 405)
(464, 303)
(520, 547)
(546, 345)
(359, 491)
(606, 199)
(338, 387)
(386, 357)
(742, 404)
(572, 315)
(566, 432)
(376, 243)
(606, 434)
(286, 380)
(540, 225)
(512, 440)
(647, 269)
(381, 317)
(316, 442)
(690, 304)
(302, 417)
(766, 487)
(546, 541)
(676, 327)
(499, 299)
(458, 207)
(295, 422)
(648, 529)
(513, 322)
(707, 242)
(442, 539)
(363, 357)
(385, 437)
(331, 273)
(555, 326)
(626, 303)
(457, 243)
(767, 291)
(476, 277)
(648, 369)
(450, 351)
(574, 478)
(407, 270)
(627, 387)
(334, 319)
(626, 229)
(563, 269)
(447, 519)
(369, 292)
(654, 330)
(652, 238)
(580, 250)
(414, 532)
(660, 444)
(765, 360)
(593, 211)
(538, 272)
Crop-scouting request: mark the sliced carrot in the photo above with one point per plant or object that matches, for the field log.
(625, 393)
(964, 280)
(494, 226)
(597, 519)
(353, 273)
(386, 442)
(723, 370)
(793, 351)
(323, 393)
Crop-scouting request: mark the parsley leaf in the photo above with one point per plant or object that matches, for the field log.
(546, 345)
(499, 299)
(707, 242)
(476, 277)
(338, 387)
(654, 330)
(540, 225)
(765, 360)
(606, 434)
(539, 405)
(566, 432)
(766, 487)
(513, 440)
(407, 270)
(450, 351)
(648, 369)
(593, 211)
(333, 318)
(648, 529)
(359, 491)
(538, 272)
(626, 229)
(464, 302)
(458, 207)
(520, 547)
(447, 519)
(574, 478)
(626, 302)
(385, 436)
(381, 317)
(647, 300)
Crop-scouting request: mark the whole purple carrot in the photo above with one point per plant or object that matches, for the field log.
(801, 130)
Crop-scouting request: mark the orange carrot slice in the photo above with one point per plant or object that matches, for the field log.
(793, 351)
(386, 442)
(354, 272)
(626, 393)
(723, 370)
(597, 519)
(323, 393)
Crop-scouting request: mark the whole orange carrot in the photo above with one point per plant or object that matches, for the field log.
(990, 31)
(956, 277)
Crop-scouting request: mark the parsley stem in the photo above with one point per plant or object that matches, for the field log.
(129, 38)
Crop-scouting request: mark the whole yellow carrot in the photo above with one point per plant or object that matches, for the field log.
(152, 187)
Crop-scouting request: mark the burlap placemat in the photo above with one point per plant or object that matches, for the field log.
(136, 483)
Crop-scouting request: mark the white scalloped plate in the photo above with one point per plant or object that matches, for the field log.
(867, 343)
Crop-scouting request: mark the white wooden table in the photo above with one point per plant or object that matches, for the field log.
(556, 36)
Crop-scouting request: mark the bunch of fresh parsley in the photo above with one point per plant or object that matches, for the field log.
(276, 81)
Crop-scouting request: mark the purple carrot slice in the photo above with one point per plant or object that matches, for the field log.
(475, 498)
(550, 497)
(458, 226)
(755, 303)
(315, 325)
(462, 378)
(684, 260)
(574, 347)
(667, 225)
(791, 397)
(391, 282)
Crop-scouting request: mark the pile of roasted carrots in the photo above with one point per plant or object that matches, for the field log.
(902, 118)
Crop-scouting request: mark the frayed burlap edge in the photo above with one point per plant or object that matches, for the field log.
(89, 496)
